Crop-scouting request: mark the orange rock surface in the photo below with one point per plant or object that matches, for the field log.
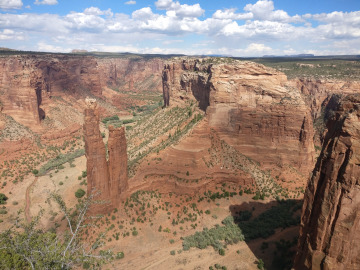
(109, 178)
(28, 82)
(252, 107)
(330, 222)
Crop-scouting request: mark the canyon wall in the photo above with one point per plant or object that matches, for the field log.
(252, 107)
(28, 82)
(318, 92)
(330, 222)
(107, 177)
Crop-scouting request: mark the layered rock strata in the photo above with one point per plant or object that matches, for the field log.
(109, 178)
(250, 106)
(330, 222)
(28, 82)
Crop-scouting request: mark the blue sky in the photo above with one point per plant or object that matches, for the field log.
(237, 28)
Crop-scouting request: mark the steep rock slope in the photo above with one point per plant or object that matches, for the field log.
(317, 92)
(29, 82)
(330, 223)
(250, 106)
(107, 177)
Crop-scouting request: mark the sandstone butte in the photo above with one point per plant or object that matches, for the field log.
(252, 107)
(330, 222)
(109, 178)
(29, 82)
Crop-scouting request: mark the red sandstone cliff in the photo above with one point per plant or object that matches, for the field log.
(107, 177)
(28, 82)
(251, 107)
(330, 223)
(316, 92)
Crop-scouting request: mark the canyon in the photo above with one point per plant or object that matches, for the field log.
(183, 127)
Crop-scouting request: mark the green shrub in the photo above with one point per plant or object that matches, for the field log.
(222, 252)
(35, 172)
(3, 212)
(172, 252)
(120, 255)
(3, 198)
(61, 183)
(260, 264)
(80, 193)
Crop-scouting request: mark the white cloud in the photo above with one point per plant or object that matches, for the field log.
(8, 34)
(255, 49)
(143, 14)
(260, 29)
(97, 11)
(180, 10)
(264, 10)
(10, 4)
(131, 2)
(230, 14)
(46, 2)
(44, 47)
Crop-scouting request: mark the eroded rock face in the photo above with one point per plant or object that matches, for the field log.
(27, 82)
(252, 108)
(107, 177)
(330, 222)
(96, 164)
(117, 161)
(317, 92)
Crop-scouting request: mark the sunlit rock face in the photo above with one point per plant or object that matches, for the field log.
(252, 107)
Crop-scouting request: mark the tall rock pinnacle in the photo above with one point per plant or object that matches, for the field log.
(330, 222)
(107, 177)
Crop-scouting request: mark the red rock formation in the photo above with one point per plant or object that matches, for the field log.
(330, 222)
(96, 164)
(117, 161)
(250, 106)
(317, 91)
(28, 82)
(166, 85)
(107, 177)
(121, 73)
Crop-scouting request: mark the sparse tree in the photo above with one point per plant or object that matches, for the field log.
(28, 246)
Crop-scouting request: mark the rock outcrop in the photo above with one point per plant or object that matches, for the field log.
(250, 106)
(28, 82)
(317, 92)
(117, 161)
(330, 222)
(107, 177)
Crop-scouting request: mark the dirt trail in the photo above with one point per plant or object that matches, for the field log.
(27, 200)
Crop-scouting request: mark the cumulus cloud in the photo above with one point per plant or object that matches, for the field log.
(131, 2)
(8, 34)
(46, 2)
(258, 27)
(230, 14)
(10, 4)
(265, 10)
(97, 11)
(180, 10)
